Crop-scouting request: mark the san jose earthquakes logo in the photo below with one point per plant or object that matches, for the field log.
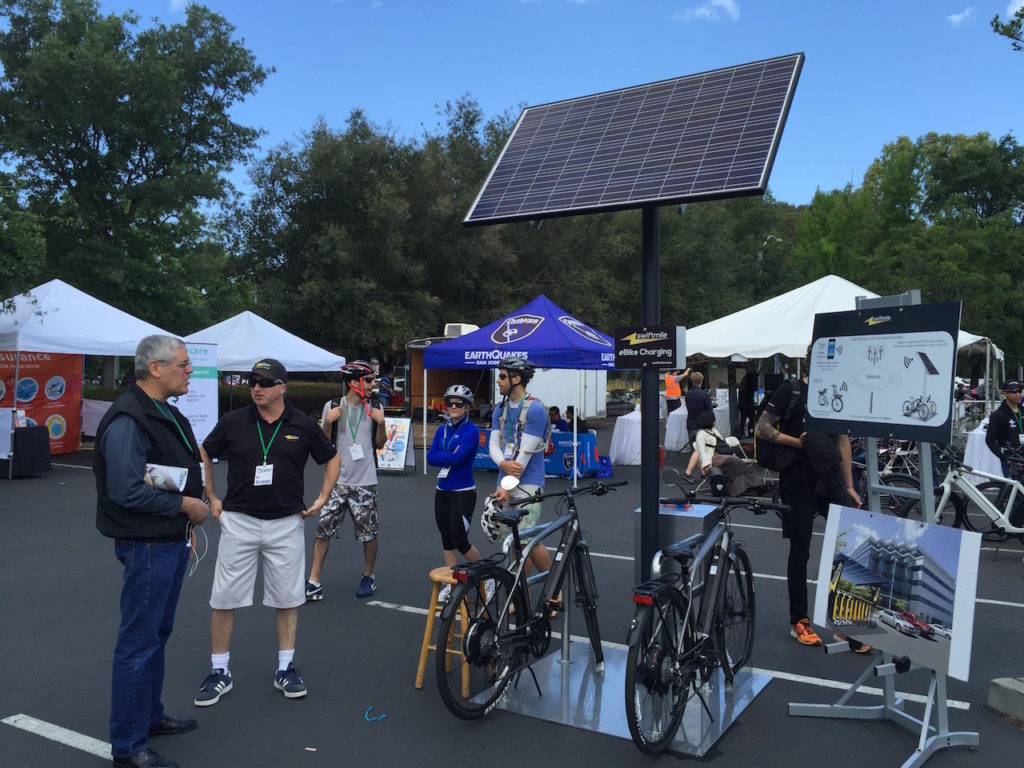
(583, 330)
(516, 328)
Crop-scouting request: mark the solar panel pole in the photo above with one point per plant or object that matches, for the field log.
(650, 314)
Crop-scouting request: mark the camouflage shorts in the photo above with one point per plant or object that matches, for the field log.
(361, 501)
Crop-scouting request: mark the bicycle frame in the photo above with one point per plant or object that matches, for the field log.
(553, 578)
(956, 478)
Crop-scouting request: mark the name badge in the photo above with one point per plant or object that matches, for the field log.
(443, 473)
(264, 474)
(356, 451)
(1021, 438)
(509, 452)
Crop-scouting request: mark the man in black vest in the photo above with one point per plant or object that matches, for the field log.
(149, 492)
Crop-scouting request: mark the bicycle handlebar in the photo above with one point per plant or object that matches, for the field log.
(597, 489)
(755, 504)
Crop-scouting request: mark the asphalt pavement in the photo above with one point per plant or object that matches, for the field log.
(59, 596)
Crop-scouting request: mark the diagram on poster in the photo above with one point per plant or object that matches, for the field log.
(900, 585)
(884, 374)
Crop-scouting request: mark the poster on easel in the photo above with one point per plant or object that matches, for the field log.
(48, 393)
(395, 455)
(903, 586)
(199, 404)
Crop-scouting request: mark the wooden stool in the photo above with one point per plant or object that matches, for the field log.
(439, 576)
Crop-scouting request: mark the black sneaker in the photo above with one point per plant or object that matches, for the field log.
(314, 591)
(216, 684)
(289, 682)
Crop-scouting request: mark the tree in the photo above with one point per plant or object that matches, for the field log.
(1011, 29)
(22, 248)
(121, 135)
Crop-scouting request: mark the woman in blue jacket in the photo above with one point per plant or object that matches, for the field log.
(453, 450)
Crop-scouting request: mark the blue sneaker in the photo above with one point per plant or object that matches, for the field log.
(314, 591)
(367, 586)
(216, 684)
(289, 682)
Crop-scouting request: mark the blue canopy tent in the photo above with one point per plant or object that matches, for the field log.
(541, 331)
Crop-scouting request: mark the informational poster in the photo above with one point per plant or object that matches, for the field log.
(395, 455)
(200, 403)
(49, 390)
(905, 587)
(884, 373)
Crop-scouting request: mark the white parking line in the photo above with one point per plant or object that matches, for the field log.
(777, 674)
(60, 735)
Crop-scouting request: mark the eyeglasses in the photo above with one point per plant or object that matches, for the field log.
(455, 403)
(183, 365)
(264, 383)
(502, 376)
(369, 379)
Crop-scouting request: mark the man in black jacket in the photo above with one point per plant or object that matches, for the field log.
(1005, 427)
(149, 513)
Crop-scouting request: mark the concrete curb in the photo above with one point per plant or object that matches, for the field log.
(1006, 695)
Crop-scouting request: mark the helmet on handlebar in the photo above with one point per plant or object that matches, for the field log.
(490, 526)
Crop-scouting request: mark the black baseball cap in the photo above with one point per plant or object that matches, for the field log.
(269, 368)
(1012, 386)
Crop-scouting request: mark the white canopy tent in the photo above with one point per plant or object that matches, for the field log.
(57, 317)
(245, 338)
(783, 325)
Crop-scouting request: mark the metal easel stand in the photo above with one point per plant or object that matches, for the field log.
(932, 737)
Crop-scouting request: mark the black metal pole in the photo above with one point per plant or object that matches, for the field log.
(650, 314)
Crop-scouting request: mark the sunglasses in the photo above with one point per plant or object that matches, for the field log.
(455, 403)
(502, 376)
(264, 383)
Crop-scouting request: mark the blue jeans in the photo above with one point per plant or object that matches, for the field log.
(153, 573)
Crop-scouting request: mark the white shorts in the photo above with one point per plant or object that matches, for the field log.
(243, 541)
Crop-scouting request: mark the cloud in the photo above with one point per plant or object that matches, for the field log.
(957, 19)
(1013, 7)
(179, 5)
(712, 10)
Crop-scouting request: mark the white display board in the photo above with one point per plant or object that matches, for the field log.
(395, 456)
(900, 585)
(200, 403)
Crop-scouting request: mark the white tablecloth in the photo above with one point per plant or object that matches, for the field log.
(978, 456)
(675, 429)
(625, 447)
(92, 413)
(722, 422)
(6, 417)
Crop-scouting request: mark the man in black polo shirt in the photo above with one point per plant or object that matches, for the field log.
(262, 515)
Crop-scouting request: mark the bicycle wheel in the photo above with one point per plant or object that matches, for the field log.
(997, 493)
(658, 672)
(901, 506)
(735, 620)
(473, 661)
(586, 597)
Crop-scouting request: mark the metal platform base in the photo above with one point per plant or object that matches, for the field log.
(572, 694)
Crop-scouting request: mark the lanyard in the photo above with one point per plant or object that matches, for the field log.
(510, 423)
(266, 446)
(171, 416)
(455, 437)
(359, 420)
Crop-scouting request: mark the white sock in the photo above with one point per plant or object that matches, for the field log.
(284, 658)
(220, 661)
(314, 583)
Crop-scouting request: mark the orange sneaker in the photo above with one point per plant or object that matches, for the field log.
(855, 645)
(804, 634)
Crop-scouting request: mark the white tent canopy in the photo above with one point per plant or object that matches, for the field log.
(783, 325)
(57, 317)
(245, 338)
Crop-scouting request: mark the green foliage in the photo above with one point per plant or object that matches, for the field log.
(22, 247)
(1011, 29)
(120, 137)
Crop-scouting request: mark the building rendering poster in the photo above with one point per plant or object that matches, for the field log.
(902, 586)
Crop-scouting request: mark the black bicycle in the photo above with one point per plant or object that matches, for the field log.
(688, 624)
(490, 628)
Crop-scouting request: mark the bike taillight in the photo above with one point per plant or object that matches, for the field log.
(643, 599)
(460, 576)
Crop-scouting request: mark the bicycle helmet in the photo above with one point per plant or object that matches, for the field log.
(356, 370)
(460, 391)
(491, 527)
(519, 366)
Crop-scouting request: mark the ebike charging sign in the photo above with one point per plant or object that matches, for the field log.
(650, 346)
(884, 372)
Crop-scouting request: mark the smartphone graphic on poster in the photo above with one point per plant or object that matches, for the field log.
(831, 349)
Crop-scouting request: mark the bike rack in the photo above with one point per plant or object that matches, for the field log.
(932, 737)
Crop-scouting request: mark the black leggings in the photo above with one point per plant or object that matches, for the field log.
(453, 512)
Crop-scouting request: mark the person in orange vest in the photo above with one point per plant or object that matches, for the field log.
(673, 388)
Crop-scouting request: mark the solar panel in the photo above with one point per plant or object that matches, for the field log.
(928, 364)
(698, 137)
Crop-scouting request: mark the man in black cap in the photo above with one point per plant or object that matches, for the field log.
(1005, 427)
(150, 521)
(261, 517)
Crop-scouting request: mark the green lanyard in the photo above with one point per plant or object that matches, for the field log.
(171, 417)
(510, 424)
(266, 446)
(359, 420)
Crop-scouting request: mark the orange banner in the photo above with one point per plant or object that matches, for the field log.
(49, 389)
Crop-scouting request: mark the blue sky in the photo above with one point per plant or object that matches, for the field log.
(874, 70)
